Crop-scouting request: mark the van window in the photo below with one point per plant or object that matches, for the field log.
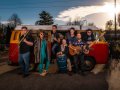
(15, 36)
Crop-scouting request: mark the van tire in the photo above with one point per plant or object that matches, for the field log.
(89, 63)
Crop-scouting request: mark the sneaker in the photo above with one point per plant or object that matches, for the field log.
(43, 73)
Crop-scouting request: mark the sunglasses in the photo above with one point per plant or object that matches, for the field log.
(89, 32)
(41, 34)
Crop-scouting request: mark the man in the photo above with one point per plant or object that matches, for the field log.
(71, 36)
(78, 58)
(70, 39)
(24, 51)
(55, 41)
(89, 37)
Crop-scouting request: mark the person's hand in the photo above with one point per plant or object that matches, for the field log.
(75, 50)
(55, 39)
(60, 53)
(89, 42)
(84, 47)
(24, 40)
(70, 45)
(58, 40)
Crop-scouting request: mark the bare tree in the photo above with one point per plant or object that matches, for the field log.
(15, 19)
(109, 25)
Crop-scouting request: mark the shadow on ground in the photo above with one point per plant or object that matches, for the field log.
(12, 81)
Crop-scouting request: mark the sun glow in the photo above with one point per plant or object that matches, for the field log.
(110, 9)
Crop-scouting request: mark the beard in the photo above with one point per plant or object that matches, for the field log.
(78, 38)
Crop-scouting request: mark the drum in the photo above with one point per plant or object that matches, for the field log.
(62, 63)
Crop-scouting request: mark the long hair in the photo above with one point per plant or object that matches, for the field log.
(92, 35)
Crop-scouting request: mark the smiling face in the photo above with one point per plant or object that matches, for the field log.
(23, 31)
(72, 32)
(64, 42)
(79, 36)
(54, 29)
(89, 33)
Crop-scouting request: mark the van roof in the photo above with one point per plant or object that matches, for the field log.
(60, 27)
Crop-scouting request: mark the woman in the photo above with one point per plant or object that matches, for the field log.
(43, 55)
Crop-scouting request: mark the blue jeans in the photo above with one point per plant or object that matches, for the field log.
(54, 51)
(24, 60)
(53, 48)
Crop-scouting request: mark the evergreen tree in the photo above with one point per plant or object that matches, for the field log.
(45, 19)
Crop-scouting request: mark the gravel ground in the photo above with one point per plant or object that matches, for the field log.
(3, 56)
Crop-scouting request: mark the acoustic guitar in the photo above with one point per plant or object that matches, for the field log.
(74, 50)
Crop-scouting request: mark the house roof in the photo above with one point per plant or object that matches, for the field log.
(60, 27)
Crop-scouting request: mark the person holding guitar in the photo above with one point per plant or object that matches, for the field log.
(89, 37)
(70, 36)
(78, 55)
(55, 40)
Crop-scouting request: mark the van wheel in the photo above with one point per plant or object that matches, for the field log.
(88, 64)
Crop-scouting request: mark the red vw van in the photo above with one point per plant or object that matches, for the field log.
(98, 54)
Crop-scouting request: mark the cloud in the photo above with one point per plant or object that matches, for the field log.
(96, 14)
(99, 19)
(77, 12)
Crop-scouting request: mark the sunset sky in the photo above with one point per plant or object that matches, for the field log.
(97, 11)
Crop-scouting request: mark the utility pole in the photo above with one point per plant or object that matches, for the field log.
(115, 21)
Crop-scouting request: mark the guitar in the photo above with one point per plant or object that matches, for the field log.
(74, 50)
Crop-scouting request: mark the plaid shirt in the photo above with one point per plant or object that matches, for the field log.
(76, 43)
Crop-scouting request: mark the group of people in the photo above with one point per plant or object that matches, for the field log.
(60, 51)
